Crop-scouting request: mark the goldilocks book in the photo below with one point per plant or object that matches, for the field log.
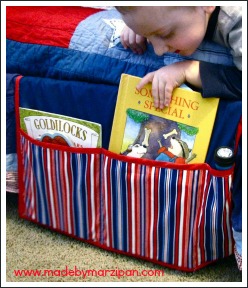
(60, 129)
(179, 133)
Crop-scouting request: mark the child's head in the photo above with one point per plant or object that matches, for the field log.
(178, 29)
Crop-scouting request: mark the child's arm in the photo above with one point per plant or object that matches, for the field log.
(131, 40)
(214, 81)
(221, 81)
(166, 79)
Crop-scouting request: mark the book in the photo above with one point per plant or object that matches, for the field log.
(179, 133)
(60, 129)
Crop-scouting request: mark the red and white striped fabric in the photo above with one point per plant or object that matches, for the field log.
(179, 218)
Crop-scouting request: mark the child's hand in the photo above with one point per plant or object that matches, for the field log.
(133, 41)
(166, 79)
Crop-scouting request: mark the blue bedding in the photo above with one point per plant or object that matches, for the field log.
(95, 55)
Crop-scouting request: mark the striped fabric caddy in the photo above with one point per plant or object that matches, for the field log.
(175, 215)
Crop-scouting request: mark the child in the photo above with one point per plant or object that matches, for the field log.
(181, 30)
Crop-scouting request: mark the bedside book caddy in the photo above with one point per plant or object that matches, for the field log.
(175, 215)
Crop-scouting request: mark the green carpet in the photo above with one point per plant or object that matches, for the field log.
(31, 247)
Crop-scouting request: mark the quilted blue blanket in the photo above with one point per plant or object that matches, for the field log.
(88, 50)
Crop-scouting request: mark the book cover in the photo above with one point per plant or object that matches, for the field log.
(179, 133)
(60, 129)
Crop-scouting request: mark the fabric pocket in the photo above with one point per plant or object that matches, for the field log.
(167, 213)
(60, 188)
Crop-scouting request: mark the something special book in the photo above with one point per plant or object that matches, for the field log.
(179, 133)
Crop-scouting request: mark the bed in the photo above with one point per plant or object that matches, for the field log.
(71, 60)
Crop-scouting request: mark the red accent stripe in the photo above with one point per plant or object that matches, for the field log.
(225, 233)
(129, 207)
(69, 175)
(104, 200)
(97, 195)
(35, 200)
(238, 135)
(64, 195)
(201, 226)
(21, 200)
(54, 188)
(148, 212)
(199, 194)
(203, 218)
(155, 220)
(137, 210)
(226, 221)
(28, 168)
(187, 219)
(178, 213)
(109, 195)
(89, 208)
(44, 25)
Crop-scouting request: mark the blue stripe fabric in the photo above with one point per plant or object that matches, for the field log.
(147, 211)
(49, 202)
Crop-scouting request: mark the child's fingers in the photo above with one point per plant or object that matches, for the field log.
(124, 39)
(168, 89)
(124, 44)
(131, 40)
(141, 44)
(145, 80)
(161, 94)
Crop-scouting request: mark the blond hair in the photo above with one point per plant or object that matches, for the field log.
(125, 9)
